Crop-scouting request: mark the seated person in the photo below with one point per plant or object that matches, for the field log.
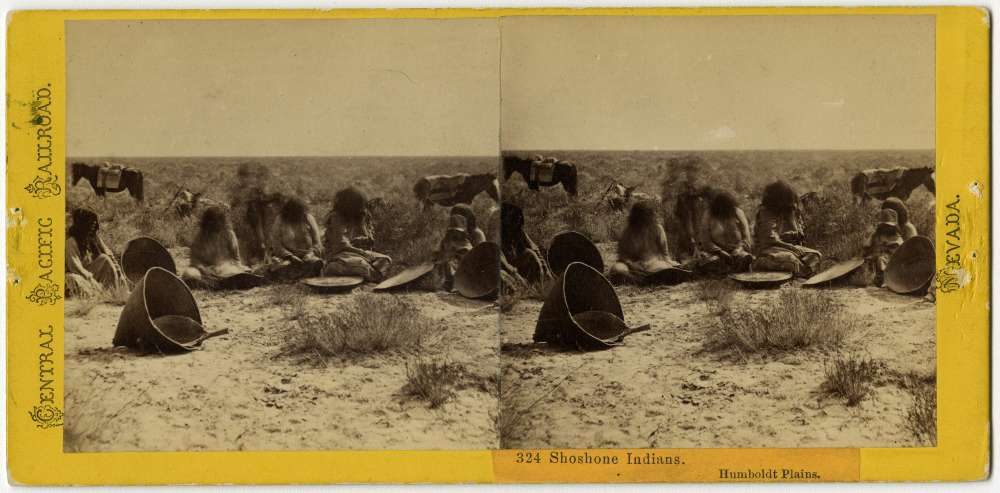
(725, 237)
(215, 252)
(517, 250)
(90, 265)
(883, 243)
(778, 234)
(454, 246)
(906, 228)
(348, 238)
(642, 247)
(295, 243)
(476, 235)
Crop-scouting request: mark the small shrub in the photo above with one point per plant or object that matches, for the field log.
(510, 422)
(82, 307)
(851, 378)
(717, 293)
(285, 296)
(538, 291)
(921, 419)
(432, 382)
(370, 324)
(797, 319)
(117, 296)
(87, 417)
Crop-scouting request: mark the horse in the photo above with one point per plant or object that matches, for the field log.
(897, 182)
(448, 190)
(106, 178)
(542, 172)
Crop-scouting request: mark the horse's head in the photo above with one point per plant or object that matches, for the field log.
(494, 190)
(569, 178)
(929, 180)
(510, 164)
(421, 189)
(78, 170)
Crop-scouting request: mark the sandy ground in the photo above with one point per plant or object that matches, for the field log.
(241, 393)
(662, 390)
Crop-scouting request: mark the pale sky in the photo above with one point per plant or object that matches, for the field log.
(283, 88)
(432, 87)
(680, 83)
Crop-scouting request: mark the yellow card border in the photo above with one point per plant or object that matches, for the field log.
(35, 222)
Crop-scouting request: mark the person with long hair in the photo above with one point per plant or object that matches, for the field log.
(90, 265)
(779, 232)
(295, 243)
(642, 247)
(726, 243)
(687, 180)
(348, 239)
(215, 252)
(518, 252)
(906, 228)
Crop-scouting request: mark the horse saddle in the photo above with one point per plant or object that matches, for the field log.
(445, 187)
(882, 180)
(109, 177)
(542, 172)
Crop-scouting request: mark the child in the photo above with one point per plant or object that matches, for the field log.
(883, 243)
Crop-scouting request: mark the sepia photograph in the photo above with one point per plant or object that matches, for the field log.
(718, 232)
(527, 232)
(282, 235)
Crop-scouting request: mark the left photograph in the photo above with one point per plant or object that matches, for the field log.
(282, 235)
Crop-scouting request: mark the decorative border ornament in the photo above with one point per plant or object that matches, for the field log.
(43, 188)
(45, 294)
(46, 416)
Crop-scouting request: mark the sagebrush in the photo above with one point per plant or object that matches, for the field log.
(921, 419)
(851, 378)
(370, 323)
(432, 381)
(797, 318)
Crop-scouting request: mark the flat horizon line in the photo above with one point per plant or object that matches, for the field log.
(485, 156)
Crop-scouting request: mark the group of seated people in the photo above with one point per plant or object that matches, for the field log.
(723, 240)
(295, 245)
(725, 243)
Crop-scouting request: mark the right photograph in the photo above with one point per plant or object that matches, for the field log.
(717, 232)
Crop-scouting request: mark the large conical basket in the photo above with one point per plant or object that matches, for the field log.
(159, 294)
(142, 254)
(568, 247)
(580, 288)
(911, 267)
(478, 274)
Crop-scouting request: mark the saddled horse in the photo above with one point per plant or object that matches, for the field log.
(542, 172)
(106, 178)
(897, 182)
(448, 190)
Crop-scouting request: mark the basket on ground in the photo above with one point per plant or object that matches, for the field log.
(568, 247)
(911, 267)
(142, 254)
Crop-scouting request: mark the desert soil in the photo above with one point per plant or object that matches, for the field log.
(240, 392)
(660, 389)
